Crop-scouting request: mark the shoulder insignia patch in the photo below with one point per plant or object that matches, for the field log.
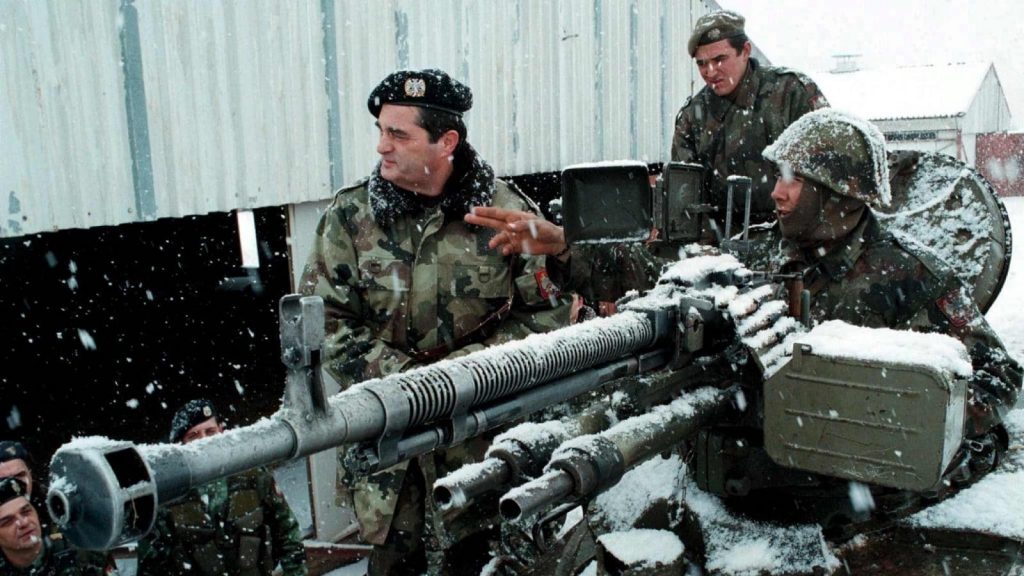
(955, 306)
(545, 285)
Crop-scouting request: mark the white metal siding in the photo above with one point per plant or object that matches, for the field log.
(237, 109)
(989, 111)
(64, 159)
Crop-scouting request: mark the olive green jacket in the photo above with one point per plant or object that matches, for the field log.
(727, 134)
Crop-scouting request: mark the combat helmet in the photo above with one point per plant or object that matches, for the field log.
(838, 150)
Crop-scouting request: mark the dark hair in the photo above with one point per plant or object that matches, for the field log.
(437, 122)
(737, 42)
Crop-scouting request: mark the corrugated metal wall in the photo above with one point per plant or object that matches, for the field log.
(126, 110)
(989, 111)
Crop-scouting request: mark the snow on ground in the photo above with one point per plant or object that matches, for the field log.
(1007, 315)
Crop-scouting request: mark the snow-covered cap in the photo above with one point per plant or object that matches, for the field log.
(430, 88)
(192, 413)
(838, 150)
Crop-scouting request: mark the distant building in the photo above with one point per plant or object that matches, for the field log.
(930, 108)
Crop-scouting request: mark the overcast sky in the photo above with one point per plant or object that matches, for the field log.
(804, 34)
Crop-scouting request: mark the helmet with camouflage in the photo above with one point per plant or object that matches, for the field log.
(839, 151)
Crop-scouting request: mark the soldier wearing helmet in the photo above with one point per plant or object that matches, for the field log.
(832, 168)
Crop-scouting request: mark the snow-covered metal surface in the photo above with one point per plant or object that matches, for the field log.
(118, 112)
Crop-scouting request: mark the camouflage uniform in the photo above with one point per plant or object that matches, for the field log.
(405, 281)
(57, 559)
(726, 135)
(858, 272)
(237, 526)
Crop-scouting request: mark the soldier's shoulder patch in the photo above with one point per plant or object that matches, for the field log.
(957, 307)
(547, 288)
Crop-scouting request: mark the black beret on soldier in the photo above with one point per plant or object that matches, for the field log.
(192, 413)
(12, 450)
(11, 488)
(429, 88)
(715, 26)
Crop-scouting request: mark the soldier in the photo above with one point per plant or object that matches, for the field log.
(833, 167)
(14, 462)
(743, 108)
(406, 282)
(237, 526)
(26, 552)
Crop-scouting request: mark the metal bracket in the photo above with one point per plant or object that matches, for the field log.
(302, 338)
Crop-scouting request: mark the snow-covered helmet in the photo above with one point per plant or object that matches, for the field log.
(838, 150)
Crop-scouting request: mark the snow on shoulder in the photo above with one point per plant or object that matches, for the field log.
(837, 339)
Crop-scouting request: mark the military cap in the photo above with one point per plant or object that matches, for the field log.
(11, 488)
(715, 26)
(192, 413)
(838, 150)
(11, 450)
(430, 88)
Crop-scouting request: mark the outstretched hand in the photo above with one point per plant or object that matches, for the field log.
(519, 232)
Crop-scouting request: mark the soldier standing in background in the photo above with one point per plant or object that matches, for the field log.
(743, 108)
(25, 552)
(236, 526)
(406, 282)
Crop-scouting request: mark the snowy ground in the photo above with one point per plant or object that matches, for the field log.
(1007, 315)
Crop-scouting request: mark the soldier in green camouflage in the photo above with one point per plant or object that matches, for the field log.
(832, 166)
(742, 109)
(406, 282)
(236, 526)
(25, 552)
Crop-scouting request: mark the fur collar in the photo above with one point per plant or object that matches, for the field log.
(471, 184)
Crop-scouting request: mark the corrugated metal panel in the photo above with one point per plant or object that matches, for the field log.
(989, 111)
(237, 103)
(128, 110)
(64, 159)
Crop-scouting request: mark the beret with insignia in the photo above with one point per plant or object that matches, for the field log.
(429, 88)
(11, 450)
(11, 488)
(715, 26)
(192, 413)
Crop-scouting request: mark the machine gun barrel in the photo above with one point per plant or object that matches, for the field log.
(588, 464)
(104, 493)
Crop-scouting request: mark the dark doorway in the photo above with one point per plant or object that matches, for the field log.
(108, 331)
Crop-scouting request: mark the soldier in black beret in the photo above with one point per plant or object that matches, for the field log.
(24, 549)
(236, 525)
(15, 462)
(406, 282)
(197, 419)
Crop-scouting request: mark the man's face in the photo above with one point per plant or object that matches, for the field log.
(18, 469)
(794, 216)
(19, 525)
(407, 156)
(202, 430)
(721, 67)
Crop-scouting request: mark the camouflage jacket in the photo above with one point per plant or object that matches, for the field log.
(605, 272)
(404, 282)
(872, 279)
(727, 135)
(239, 526)
(57, 559)
(399, 277)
